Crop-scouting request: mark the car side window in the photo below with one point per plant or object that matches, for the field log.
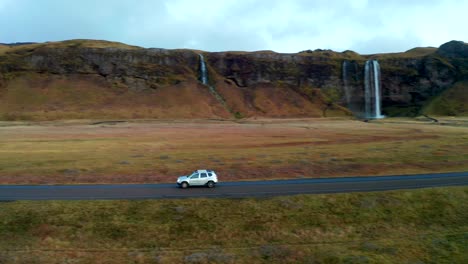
(203, 175)
(210, 174)
(194, 176)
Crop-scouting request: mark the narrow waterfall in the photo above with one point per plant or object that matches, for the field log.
(346, 82)
(204, 81)
(203, 72)
(372, 98)
(367, 90)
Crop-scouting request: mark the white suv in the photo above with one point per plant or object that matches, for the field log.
(198, 178)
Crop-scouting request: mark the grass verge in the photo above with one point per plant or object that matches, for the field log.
(417, 226)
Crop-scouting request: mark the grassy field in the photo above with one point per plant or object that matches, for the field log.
(157, 151)
(418, 226)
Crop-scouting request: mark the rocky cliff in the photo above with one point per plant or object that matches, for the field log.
(99, 79)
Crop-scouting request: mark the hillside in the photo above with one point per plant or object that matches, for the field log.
(101, 79)
(452, 102)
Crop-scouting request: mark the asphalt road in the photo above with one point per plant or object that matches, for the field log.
(230, 189)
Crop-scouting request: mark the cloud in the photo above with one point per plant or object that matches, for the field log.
(213, 25)
(384, 44)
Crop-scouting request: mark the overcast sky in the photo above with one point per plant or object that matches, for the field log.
(365, 26)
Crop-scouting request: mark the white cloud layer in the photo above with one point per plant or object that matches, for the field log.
(365, 26)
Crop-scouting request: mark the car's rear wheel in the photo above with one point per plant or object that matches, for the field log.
(210, 184)
(184, 185)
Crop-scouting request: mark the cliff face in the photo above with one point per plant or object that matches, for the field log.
(139, 69)
(88, 79)
(408, 80)
(102, 79)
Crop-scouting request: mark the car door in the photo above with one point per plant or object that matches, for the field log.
(203, 178)
(195, 179)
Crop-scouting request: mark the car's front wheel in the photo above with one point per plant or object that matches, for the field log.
(210, 184)
(184, 185)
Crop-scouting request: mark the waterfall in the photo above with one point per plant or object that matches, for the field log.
(367, 90)
(372, 96)
(378, 112)
(204, 81)
(203, 72)
(346, 83)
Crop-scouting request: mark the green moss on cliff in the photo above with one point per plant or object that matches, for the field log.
(327, 101)
(452, 102)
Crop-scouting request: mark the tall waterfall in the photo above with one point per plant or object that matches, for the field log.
(367, 90)
(203, 72)
(372, 98)
(376, 69)
(346, 82)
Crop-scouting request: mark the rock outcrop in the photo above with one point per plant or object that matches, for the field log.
(162, 83)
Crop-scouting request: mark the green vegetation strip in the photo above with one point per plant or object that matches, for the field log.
(418, 226)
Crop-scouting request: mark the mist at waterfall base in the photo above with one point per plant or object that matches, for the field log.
(370, 89)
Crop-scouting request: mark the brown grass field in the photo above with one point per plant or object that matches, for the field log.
(150, 151)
